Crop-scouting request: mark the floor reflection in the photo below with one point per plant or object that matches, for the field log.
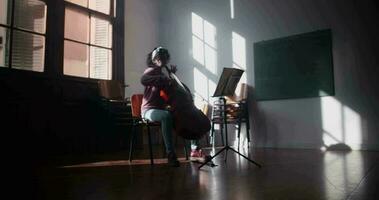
(285, 174)
(343, 170)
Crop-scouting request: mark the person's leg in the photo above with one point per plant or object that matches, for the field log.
(165, 118)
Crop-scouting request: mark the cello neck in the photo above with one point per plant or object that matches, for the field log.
(174, 77)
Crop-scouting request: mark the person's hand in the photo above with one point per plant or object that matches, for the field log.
(173, 68)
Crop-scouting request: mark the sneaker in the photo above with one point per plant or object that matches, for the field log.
(198, 155)
(172, 160)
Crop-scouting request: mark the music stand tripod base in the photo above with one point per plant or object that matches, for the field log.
(226, 87)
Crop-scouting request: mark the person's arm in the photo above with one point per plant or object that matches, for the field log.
(154, 77)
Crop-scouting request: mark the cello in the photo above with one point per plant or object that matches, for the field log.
(189, 122)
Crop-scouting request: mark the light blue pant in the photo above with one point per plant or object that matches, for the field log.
(165, 118)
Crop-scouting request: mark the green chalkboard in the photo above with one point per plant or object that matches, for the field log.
(297, 66)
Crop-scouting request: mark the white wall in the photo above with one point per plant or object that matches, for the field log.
(350, 117)
(141, 36)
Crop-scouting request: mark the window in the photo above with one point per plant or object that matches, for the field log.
(63, 37)
(22, 34)
(88, 38)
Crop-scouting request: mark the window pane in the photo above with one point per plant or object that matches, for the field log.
(30, 15)
(101, 32)
(5, 16)
(4, 46)
(75, 59)
(28, 51)
(100, 5)
(101, 63)
(76, 25)
(79, 2)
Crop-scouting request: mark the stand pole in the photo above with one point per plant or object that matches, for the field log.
(227, 147)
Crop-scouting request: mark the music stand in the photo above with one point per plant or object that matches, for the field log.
(226, 87)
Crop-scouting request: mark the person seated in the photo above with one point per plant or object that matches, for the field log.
(154, 106)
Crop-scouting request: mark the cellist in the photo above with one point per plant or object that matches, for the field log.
(154, 106)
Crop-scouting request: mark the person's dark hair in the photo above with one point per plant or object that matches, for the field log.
(157, 53)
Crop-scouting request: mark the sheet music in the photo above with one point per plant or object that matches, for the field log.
(228, 82)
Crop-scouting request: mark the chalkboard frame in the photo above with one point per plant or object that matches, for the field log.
(297, 66)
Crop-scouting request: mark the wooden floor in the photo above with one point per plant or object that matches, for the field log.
(286, 174)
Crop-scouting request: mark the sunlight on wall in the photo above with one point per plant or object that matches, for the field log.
(331, 121)
(204, 88)
(239, 61)
(342, 129)
(210, 59)
(198, 50)
(209, 34)
(211, 87)
(197, 38)
(340, 124)
(352, 126)
(197, 26)
(239, 56)
(204, 49)
(239, 50)
(232, 9)
(200, 83)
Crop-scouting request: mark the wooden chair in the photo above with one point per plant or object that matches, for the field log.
(138, 120)
(237, 112)
(112, 95)
(112, 90)
(117, 109)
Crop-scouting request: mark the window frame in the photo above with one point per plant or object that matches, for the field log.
(11, 27)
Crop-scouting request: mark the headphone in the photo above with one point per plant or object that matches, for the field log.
(155, 52)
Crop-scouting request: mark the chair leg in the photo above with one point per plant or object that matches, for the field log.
(150, 146)
(248, 130)
(212, 140)
(222, 134)
(131, 143)
(247, 121)
(185, 148)
(239, 133)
